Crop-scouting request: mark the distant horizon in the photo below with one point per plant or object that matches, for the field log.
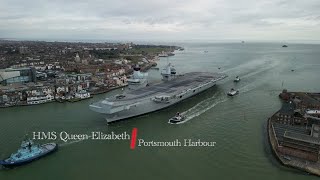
(150, 41)
(162, 20)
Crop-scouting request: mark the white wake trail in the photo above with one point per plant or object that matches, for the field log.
(70, 142)
(202, 107)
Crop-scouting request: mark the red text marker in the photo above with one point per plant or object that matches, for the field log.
(133, 138)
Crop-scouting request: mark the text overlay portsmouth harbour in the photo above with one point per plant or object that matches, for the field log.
(176, 143)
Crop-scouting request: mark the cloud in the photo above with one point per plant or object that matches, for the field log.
(160, 19)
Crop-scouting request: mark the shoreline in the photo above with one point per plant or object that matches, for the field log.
(55, 100)
(144, 69)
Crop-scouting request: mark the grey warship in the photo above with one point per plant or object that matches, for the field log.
(173, 89)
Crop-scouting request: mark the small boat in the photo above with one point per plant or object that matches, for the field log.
(28, 152)
(233, 92)
(237, 79)
(177, 119)
(285, 45)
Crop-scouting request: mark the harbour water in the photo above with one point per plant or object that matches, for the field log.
(237, 124)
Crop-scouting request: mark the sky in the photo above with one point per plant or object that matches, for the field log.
(212, 20)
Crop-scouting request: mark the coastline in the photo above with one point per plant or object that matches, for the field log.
(95, 67)
(69, 101)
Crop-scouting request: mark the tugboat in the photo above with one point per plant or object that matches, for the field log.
(28, 152)
(237, 79)
(233, 92)
(178, 118)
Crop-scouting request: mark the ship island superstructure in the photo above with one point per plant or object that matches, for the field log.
(173, 89)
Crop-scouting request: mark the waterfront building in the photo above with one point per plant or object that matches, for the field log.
(82, 94)
(295, 130)
(297, 141)
(306, 101)
(18, 75)
(40, 99)
(302, 145)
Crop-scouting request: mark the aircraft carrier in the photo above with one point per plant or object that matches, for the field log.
(173, 89)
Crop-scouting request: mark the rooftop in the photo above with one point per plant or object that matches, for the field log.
(287, 108)
(302, 137)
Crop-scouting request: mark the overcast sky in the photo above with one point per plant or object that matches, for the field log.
(161, 19)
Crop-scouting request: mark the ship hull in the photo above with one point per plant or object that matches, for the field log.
(155, 97)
